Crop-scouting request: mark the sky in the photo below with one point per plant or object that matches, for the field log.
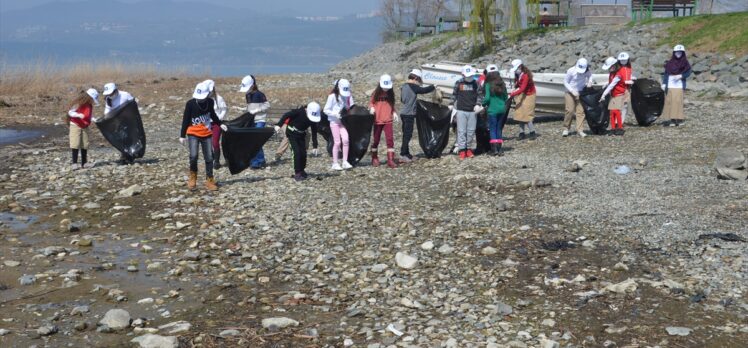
(312, 7)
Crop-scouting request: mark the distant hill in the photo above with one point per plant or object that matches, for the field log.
(223, 39)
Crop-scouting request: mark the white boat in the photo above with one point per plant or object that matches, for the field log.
(550, 86)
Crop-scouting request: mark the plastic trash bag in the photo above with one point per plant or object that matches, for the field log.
(647, 100)
(596, 113)
(359, 124)
(482, 134)
(432, 121)
(123, 128)
(241, 143)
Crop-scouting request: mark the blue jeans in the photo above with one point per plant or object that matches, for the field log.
(259, 160)
(496, 126)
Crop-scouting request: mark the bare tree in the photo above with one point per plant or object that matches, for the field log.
(400, 13)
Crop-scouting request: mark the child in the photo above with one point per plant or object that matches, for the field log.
(617, 89)
(495, 101)
(81, 111)
(199, 115)
(525, 90)
(296, 122)
(257, 105)
(466, 104)
(382, 105)
(338, 103)
(409, 97)
(628, 75)
(114, 98)
(677, 69)
(221, 109)
(577, 78)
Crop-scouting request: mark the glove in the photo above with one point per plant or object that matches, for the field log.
(395, 117)
(76, 115)
(451, 107)
(95, 120)
(371, 110)
(602, 98)
(315, 152)
(182, 140)
(277, 128)
(225, 128)
(575, 94)
(477, 109)
(663, 86)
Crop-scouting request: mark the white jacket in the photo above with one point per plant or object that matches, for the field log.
(259, 110)
(121, 98)
(220, 107)
(575, 82)
(334, 106)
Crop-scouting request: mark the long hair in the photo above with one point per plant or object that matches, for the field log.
(81, 99)
(496, 83)
(526, 71)
(336, 90)
(254, 87)
(617, 66)
(383, 95)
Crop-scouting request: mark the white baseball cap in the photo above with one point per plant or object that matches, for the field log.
(623, 57)
(94, 94)
(416, 72)
(109, 88)
(492, 68)
(344, 86)
(679, 48)
(313, 112)
(515, 65)
(201, 91)
(247, 83)
(581, 66)
(385, 82)
(610, 61)
(468, 70)
(211, 85)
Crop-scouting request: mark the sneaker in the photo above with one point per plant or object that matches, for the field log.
(299, 177)
(674, 123)
(565, 133)
(304, 174)
(336, 166)
(462, 155)
(667, 123)
(522, 136)
(582, 134)
(74, 167)
(533, 135)
(469, 154)
(405, 159)
(346, 165)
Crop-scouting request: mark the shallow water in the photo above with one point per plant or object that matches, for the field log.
(12, 136)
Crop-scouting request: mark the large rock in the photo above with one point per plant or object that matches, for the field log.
(116, 319)
(278, 323)
(730, 159)
(626, 286)
(405, 261)
(130, 191)
(156, 341)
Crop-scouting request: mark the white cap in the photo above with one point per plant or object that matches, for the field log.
(610, 61)
(94, 94)
(344, 86)
(416, 72)
(468, 70)
(679, 48)
(623, 57)
(313, 112)
(581, 66)
(211, 85)
(201, 91)
(385, 82)
(109, 88)
(247, 83)
(515, 65)
(492, 68)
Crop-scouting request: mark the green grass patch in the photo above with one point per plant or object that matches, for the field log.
(722, 33)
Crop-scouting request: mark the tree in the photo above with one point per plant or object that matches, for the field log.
(408, 13)
(481, 21)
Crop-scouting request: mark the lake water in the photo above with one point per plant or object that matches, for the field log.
(14, 136)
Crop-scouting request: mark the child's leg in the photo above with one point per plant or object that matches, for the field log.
(389, 137)
(336, 141)
(344, 139)
(376, 136)
(75, 156)
(298, 151)
(531, 127)
(613, 119)
(493, 128)
(522, 128)
(207, 146)
(472, 122)
(193, 145)
(84, 157)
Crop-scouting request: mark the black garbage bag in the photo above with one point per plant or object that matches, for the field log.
(359, 123)
(432, 121)
(246, 120)
(241, 144)
(596, 113)
(482, 134)
(323, 129)
(647, 100)
(123, 128)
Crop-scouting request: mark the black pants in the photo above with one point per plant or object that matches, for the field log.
(297, 141)
(408, 121)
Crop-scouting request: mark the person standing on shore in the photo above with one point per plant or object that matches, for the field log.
(628, 74)
(296, 123)
(577, 78)
(339, 101)
(466, 102)
(257, 105)
(221, 109)
(677, 70)
(617, 89)
(80, 115)
(382, 105)
(199, 115)
(409, 97)
(494, 100)
(524, 94)
(114, 98)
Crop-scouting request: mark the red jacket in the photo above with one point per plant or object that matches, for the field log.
(86, 110)
(524, 86)
(620, 87)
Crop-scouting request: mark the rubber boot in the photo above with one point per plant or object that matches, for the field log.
(217, 160)
(210, 184)
(391, 160)
(374, 158)
(192, 182)
(494, 151)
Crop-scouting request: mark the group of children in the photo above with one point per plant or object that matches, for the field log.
(203, 115)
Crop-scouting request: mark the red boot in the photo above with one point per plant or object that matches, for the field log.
(391, 160)
(374, 158)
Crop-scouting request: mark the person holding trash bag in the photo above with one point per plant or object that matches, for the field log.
(297, 121)
(524, 95)
(409, 97)
(677, 70)
(577, 78)
(382, 106)
(617, 89)
(221, 109)
(257, 105)
(80, 116)
(628, 75)
(199, 115)
(339, 102)
(284, 145)
(466, 105)
(113, 98)
(495, 101)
